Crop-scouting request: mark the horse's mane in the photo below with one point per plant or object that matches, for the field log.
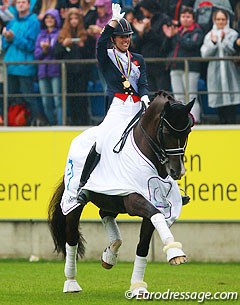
(167, 96)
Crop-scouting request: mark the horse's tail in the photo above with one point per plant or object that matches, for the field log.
(57, 223)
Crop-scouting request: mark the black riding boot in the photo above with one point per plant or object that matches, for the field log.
(90, 163)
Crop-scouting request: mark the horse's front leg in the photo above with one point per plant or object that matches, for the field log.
(137, 205)
(109, 256)
(72, 243)
(138, 286)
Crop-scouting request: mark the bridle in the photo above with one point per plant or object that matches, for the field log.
(158, 147)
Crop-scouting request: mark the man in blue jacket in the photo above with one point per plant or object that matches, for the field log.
(19, 39)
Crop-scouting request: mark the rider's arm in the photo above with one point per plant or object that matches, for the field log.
(103, 44)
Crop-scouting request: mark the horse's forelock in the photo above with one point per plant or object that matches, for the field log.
(175, 112)
(177, 116)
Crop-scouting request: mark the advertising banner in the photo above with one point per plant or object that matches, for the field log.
(33, 161)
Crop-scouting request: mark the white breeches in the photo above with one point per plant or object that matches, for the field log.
(118, 112)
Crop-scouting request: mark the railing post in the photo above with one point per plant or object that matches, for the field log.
(186, 70)
(5, 95)
(64, 91)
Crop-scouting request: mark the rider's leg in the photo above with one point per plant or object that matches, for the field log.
(90, 164)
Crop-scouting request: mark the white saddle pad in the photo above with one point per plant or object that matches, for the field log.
(119, 174)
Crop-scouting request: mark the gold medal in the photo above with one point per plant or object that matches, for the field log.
(126, 84)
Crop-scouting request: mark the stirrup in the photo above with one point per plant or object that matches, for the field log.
(82, 198)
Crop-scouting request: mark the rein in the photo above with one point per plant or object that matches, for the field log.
(158, 149)
(119, 146)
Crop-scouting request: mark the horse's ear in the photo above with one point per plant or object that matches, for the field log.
(190, 105)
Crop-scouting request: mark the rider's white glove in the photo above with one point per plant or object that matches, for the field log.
(116, 12)
(145, 100)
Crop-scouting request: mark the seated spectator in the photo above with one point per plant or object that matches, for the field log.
(42, 6)
(19, 38)
(222, 76)
(73, 44)
(153, 40)
(186, 42)
(49, 75)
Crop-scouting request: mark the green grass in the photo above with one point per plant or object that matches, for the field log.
(41, 283)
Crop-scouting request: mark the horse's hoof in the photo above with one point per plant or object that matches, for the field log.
(108, 258)
(106, 265)
(175, 254)
(139, 291)
(178, 260)
(71, 286)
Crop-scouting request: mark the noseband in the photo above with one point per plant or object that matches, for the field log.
(157, 147)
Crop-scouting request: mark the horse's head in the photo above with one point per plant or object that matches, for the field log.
(173, 129)
(175, 125)
(168, 139)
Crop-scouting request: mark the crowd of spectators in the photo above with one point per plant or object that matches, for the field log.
(69, 29)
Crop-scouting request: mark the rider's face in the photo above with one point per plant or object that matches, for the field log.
(122, 43)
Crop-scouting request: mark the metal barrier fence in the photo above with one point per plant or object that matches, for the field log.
(64, 93)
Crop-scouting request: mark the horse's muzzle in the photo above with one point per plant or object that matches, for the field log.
(175, 175)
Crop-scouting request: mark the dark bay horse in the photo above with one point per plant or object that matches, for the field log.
(158, 142)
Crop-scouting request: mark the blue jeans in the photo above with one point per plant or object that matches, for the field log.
(52, 104)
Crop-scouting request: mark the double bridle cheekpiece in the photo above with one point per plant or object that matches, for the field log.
(158, 147)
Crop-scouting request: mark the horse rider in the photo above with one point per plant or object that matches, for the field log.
(127, 87)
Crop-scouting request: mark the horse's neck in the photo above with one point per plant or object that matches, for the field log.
(150, 123)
